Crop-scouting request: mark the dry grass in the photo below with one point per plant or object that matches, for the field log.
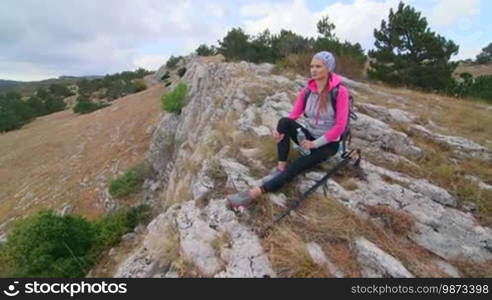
(436, 168)
(326, 220)
(391, 180)
(191, 166)
(346, 177)
(341, 255)
(267, 151)
(289, 256)
(325, 223)
(400, 165)
(437, 164)
(215, 171)
(225, 134)
(279, 69)
(223, 240)
(258, 92)
(295, 63)
(334, 227)
(219, 176)
(473, 270)
(457, 117)
(185, 268)
(439, 169)
(398, 222)
(64, 157)
(349, 184)
(182, 192)
(168, 249)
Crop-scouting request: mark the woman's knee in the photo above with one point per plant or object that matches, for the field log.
(283, 124)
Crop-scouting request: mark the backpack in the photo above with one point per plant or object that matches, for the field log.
(346, 136)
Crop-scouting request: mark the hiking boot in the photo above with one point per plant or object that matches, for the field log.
(239, 199)
(274, 173)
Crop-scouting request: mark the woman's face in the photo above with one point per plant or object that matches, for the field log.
(318, 69)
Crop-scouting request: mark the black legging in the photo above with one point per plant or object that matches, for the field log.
(289, 128)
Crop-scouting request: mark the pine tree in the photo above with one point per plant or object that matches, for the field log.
(485, 57)
(289, 42)
(325, 28)
(235, 45)
(14, 112)
(204, 50)
(409, 53)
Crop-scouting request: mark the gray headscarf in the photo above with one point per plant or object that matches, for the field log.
(327, 58)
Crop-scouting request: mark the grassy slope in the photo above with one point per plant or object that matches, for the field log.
(67, 158)
(475, 70)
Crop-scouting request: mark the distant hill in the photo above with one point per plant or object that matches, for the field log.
(8, 83)
(475, 70)
(28, 87)
(90, 77)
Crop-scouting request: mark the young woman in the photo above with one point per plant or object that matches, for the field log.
(323, 129)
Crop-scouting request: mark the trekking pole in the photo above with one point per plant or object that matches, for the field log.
(346, 157)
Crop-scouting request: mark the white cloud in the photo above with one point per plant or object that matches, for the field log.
(95, 37)
(149, 62)
(354, 22)
(276, 16)
(30, 72)
(467, 36)
(213, 10)
(447, 12)
(467, 52)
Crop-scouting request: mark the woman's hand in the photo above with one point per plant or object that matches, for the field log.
(277, 136)
(308, 144)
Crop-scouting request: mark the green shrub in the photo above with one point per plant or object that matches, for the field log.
(174, 100)
(84, 106)
(181, 72)
(112, 226)
(139, 85)
(165, 76)
(485, 57)
(173, 61)
(112, 86)
(130, 182)
(482, 88)
(204, 50)
(479, 87)
(47, 245)
(60, 90)
(289, 50)
(14, 112)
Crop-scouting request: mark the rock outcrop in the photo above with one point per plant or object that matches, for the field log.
(209, 150)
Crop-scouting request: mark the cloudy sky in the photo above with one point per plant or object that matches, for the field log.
(49, 38)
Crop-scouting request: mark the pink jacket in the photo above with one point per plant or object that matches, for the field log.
(334, 125)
